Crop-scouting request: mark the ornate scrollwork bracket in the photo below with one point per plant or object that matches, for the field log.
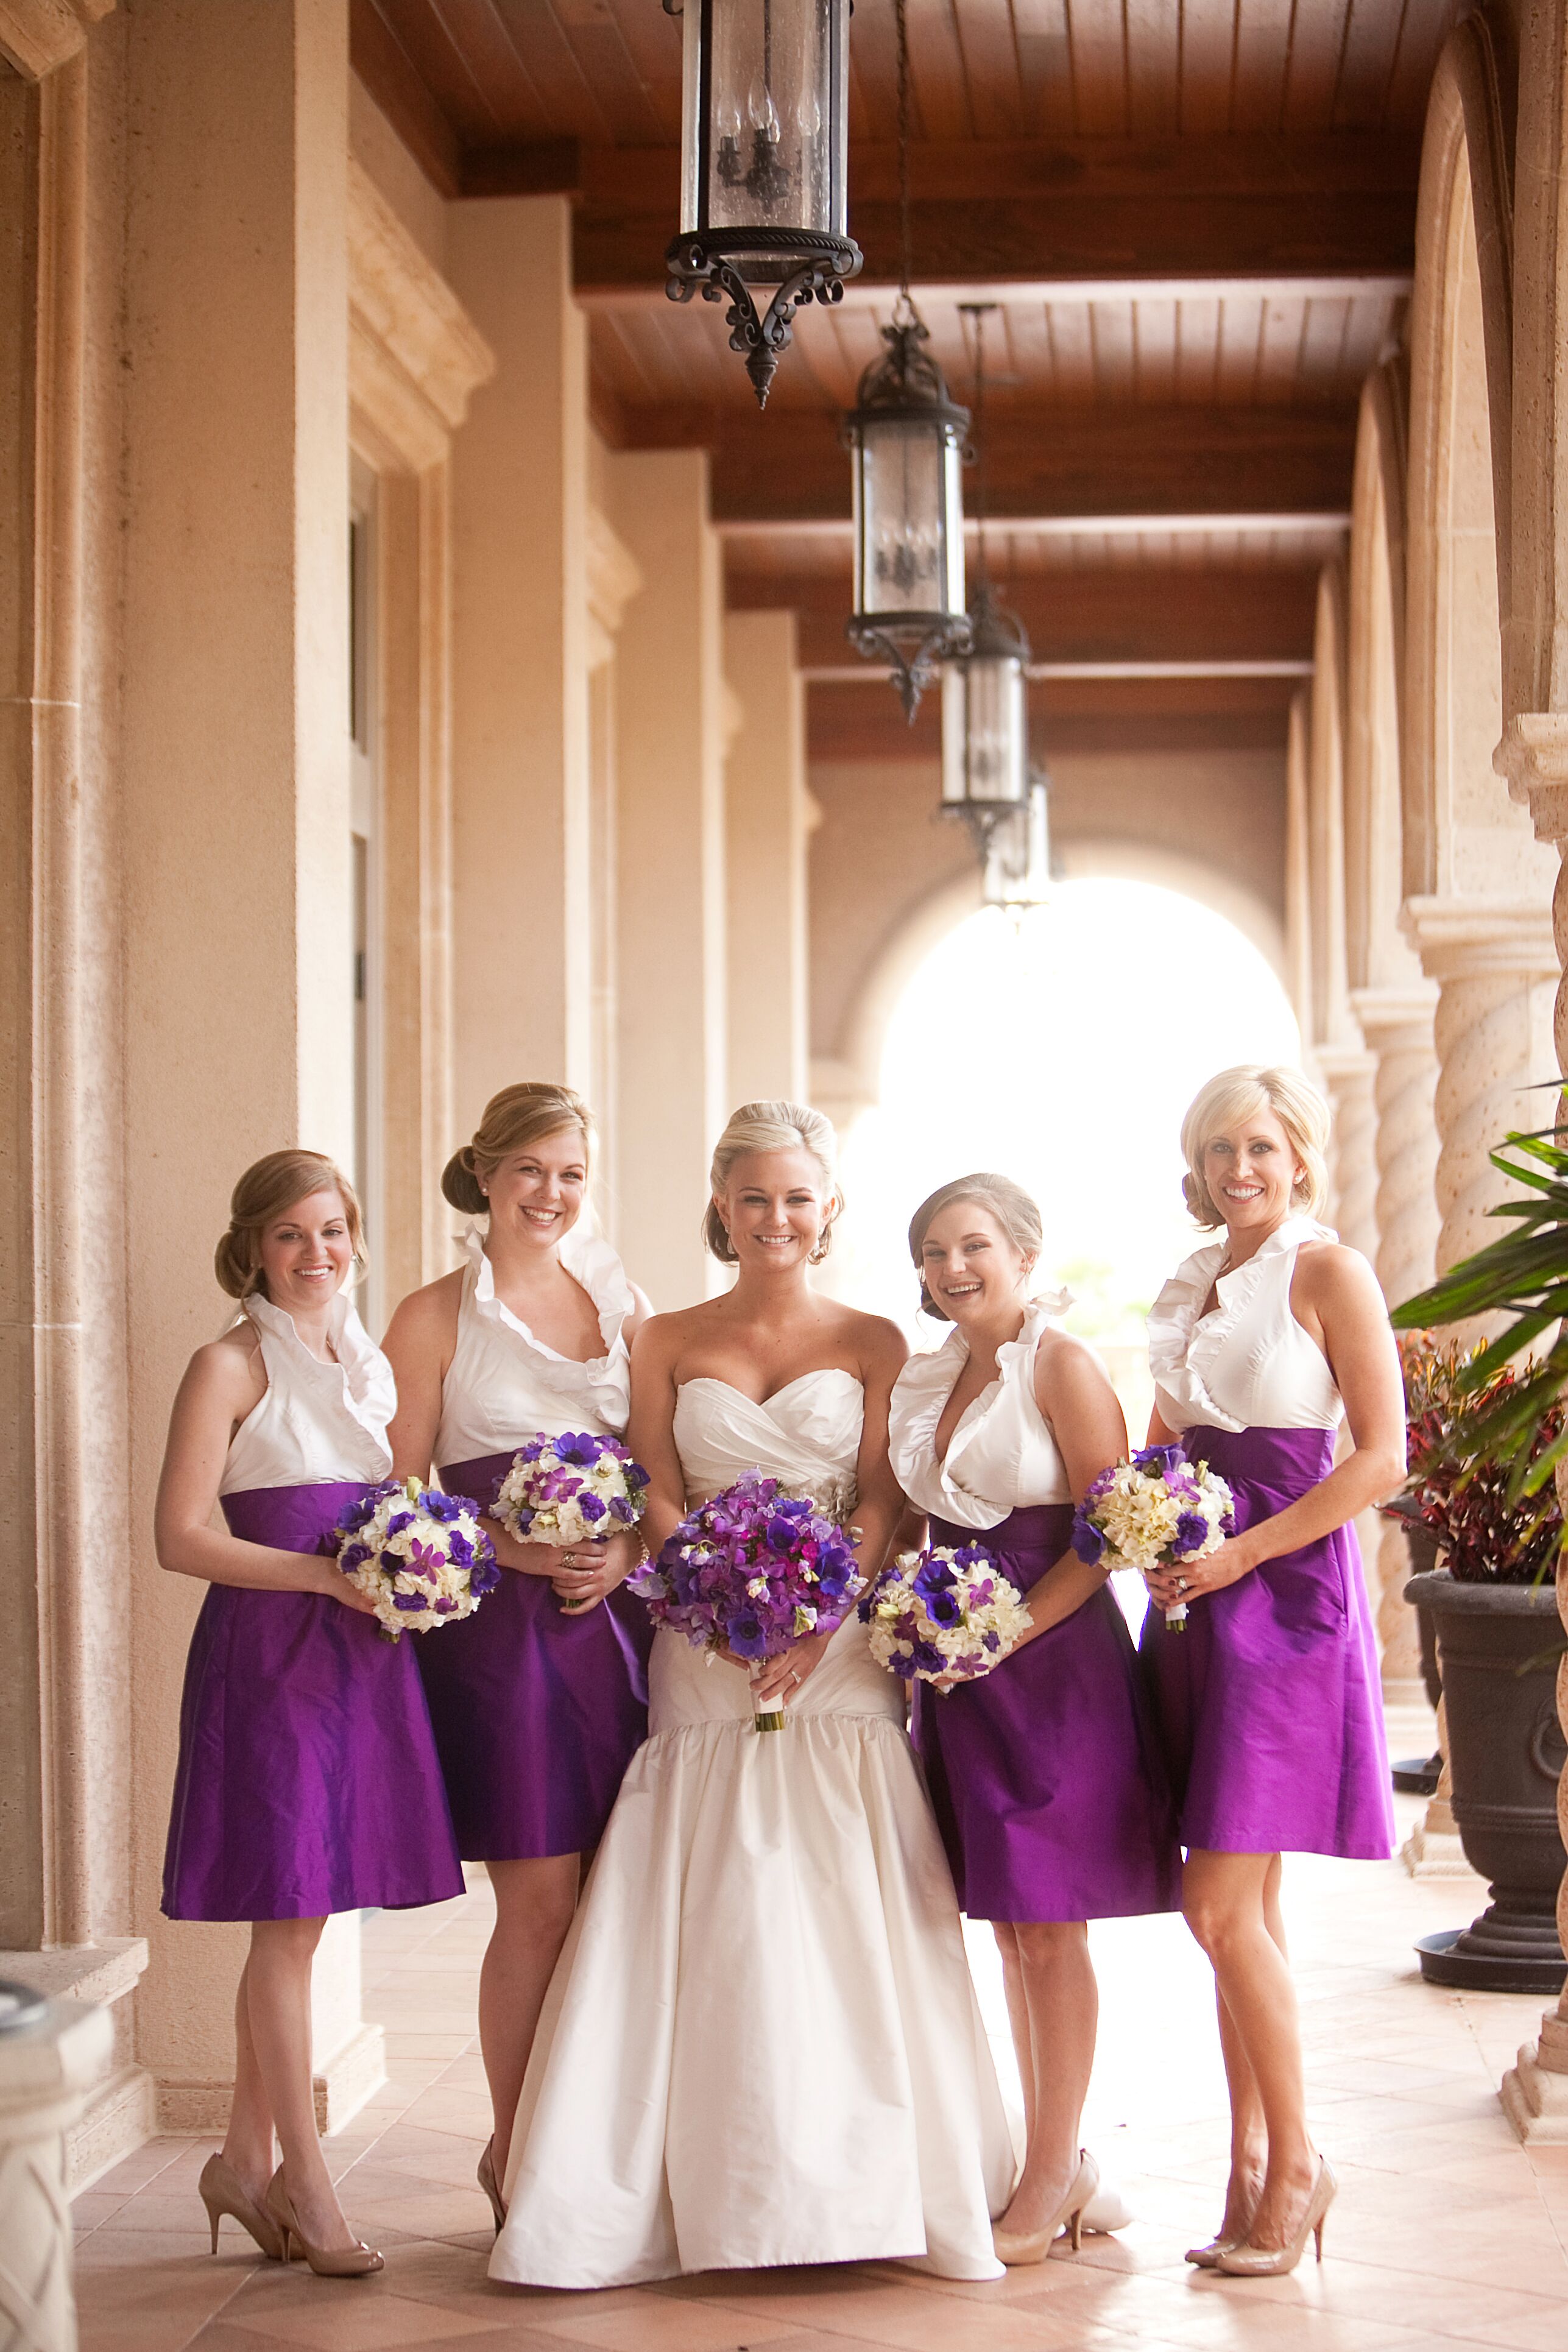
(696, 265)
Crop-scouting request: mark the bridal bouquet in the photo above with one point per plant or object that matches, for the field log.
(944, 1612)
(571, 1490)
(421, 1555)
(1156, 1511)
(753, 1571)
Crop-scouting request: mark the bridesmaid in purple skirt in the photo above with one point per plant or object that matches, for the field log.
(537, 1717)
(307, 1780)
(1260, 1345)
(1046, 1775)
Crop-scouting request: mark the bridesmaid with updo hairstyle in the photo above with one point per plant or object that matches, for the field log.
(1046, 1773)
(307, 1780)
(1261, 1344)
(539, 1708)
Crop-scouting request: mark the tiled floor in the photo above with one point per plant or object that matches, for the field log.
(1445, 2231)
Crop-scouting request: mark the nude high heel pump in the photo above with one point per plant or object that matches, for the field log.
(221, 2191)
(355, 2261)
(488, 2183)
(1255, 2262)
(1016, 2247)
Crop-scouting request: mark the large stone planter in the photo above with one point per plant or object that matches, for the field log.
(1497, 1645)
(1417, 1776)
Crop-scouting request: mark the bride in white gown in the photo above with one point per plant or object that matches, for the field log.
(761, 2044)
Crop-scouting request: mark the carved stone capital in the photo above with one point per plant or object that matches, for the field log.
(1464, 939)
(414, 355)
(1395, 1020)
(1533, 758)
(37, 36)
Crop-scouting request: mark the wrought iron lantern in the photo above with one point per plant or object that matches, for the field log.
(1016, 870)
(906, 438)
(984, 717)
(765, 138)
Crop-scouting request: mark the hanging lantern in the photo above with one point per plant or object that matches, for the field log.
(1015, 871)
(906, 439)
(764, 135)
(984, 715)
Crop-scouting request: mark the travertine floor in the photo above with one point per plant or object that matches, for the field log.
(1446, 2230)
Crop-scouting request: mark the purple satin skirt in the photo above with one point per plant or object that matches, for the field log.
(1269, 1701)
(537, 1712)
(1046, 1776)
(307, 1780)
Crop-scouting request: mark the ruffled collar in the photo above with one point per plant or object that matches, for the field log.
(1185, 1343)
(920, 1395)
(361, 1379)
(592, 1263)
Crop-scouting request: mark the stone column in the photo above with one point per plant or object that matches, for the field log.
(669, 694)
(766, 822)
(1348, 1073)
(1533, 755)
(522, 877)
(237, 973)
(47, 2066)
(1496, 971)
(1397, 1026)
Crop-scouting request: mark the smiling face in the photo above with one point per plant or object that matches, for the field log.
(1251, 1172)
(307, 1253)
(536, 1193)
(775, 1208)
(970, 1267)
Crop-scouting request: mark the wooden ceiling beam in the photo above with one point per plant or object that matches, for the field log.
(865, 722)
(788, 467)
(1337, 208)
(1117, 614)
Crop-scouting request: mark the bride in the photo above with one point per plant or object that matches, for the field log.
(761, 2044)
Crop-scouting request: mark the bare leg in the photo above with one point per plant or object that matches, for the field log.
(247, 2144)
(1062, 2002)
(1019, 2018)
(277, 2002)
(534, 1904)
(1232, 1906)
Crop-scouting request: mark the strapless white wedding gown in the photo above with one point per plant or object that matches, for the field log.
(761, 2044)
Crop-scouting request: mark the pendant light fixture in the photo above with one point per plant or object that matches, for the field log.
(1015, 864)
(986, 775)
(905, 436)
(763, 142)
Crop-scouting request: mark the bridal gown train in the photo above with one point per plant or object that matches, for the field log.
(761, 2044)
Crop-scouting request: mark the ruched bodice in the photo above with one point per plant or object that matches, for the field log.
(319, 1423)
(807, 1436)
(1247, 1364)
(1002, 1457)
(505, 1385)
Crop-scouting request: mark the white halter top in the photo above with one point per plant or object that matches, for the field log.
(1247, 1364)
(504, 1385)
(317, 1423)
(1002, 1457)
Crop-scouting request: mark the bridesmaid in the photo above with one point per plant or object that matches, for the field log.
(1260, 1345)
(538, 1709)
(1046, 1775)
(308, 1781)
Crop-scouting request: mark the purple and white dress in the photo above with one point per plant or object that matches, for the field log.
(537, 1711)
(1269, 1701)
(307, 1780)
(1047, 1777)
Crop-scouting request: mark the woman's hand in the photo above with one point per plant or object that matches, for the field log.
(780, 1678)
(586, 1572)
(1237, 1557)
(327, 1578)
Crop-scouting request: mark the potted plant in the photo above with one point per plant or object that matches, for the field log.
(1484, 1486)
(1429, 1373)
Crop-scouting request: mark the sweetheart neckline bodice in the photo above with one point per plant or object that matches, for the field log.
(818, 1373)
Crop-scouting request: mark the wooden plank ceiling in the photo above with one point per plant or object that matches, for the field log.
(1196, 217)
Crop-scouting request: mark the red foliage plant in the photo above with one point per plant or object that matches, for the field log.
(1487, 1538)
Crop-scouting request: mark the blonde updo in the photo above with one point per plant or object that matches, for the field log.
(1015, 1211)
(771, 1126)
(262, 1194)
(514, 1119)
(1241, 1094)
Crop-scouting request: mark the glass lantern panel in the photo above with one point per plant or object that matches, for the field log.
(996, 731)
(776, 113)
(901, 523)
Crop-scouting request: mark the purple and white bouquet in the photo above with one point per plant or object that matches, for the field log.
(1156, 1511)
(944, 1610)
(571, 1490)
(753, 1571)
(420, 1554)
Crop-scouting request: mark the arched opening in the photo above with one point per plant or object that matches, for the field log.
(1062, 1049)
